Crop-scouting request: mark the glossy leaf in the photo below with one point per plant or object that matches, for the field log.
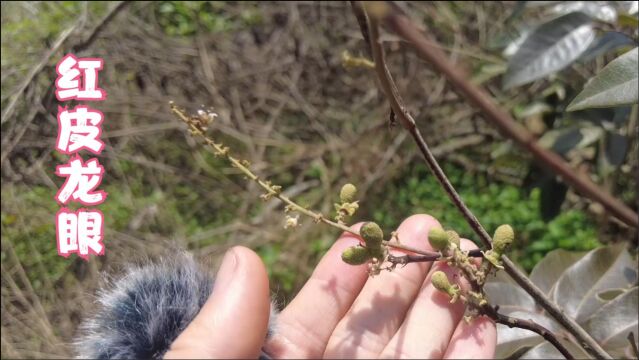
(597, 287)
(600, 10)
(510, 297)
(601, 269)
(612, 323)
(550, 48)
(615, 85)
(549, 269)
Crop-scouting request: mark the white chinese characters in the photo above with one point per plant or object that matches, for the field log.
(79, 232)
(78, 79)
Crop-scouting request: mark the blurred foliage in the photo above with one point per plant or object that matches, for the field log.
(185, 18)
(494, 204)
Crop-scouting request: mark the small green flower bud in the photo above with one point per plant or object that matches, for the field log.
(438, 239)
(453, 237)
(372, 235)
(440, 281)
(347, 194)
(504, 236)
(356, 255)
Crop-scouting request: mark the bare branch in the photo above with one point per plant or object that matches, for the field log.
(528, 325)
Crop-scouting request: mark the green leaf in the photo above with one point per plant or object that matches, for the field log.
(585, 287)
(615, 85)
(510, 297)
(550, 48)
(599, 10)
(548, 270)
(602, 269)
(611, 324)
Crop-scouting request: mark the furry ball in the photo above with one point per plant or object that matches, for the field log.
(139, 315)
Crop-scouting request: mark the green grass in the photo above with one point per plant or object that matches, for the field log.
(493, 204)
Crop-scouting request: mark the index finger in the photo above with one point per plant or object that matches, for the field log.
(306, 324)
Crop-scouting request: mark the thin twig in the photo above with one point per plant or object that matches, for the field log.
(528, 325)
(383, 74)
(407, 259)
(273, 191)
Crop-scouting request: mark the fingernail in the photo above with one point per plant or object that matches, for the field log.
(227, 270)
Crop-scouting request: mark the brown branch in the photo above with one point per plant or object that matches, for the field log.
(407, 259)
(429, 50)
(389, 88)
(511, 322)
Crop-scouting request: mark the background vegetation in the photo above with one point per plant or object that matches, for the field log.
(273, 72)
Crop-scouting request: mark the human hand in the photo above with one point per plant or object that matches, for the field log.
(340, 313)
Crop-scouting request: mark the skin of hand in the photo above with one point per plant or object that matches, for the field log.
(340, 312)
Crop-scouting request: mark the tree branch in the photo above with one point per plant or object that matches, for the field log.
(429, 50)
(511, 322)
(389, 88)
(407, 259)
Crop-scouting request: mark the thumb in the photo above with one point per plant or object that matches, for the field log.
(233, 321)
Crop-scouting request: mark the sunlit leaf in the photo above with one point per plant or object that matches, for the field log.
(601, 269)
(510, 297)
(612, 323)
(615, 85)
(550, 48)
(600, 10)
(597, 288)
(547, 271)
